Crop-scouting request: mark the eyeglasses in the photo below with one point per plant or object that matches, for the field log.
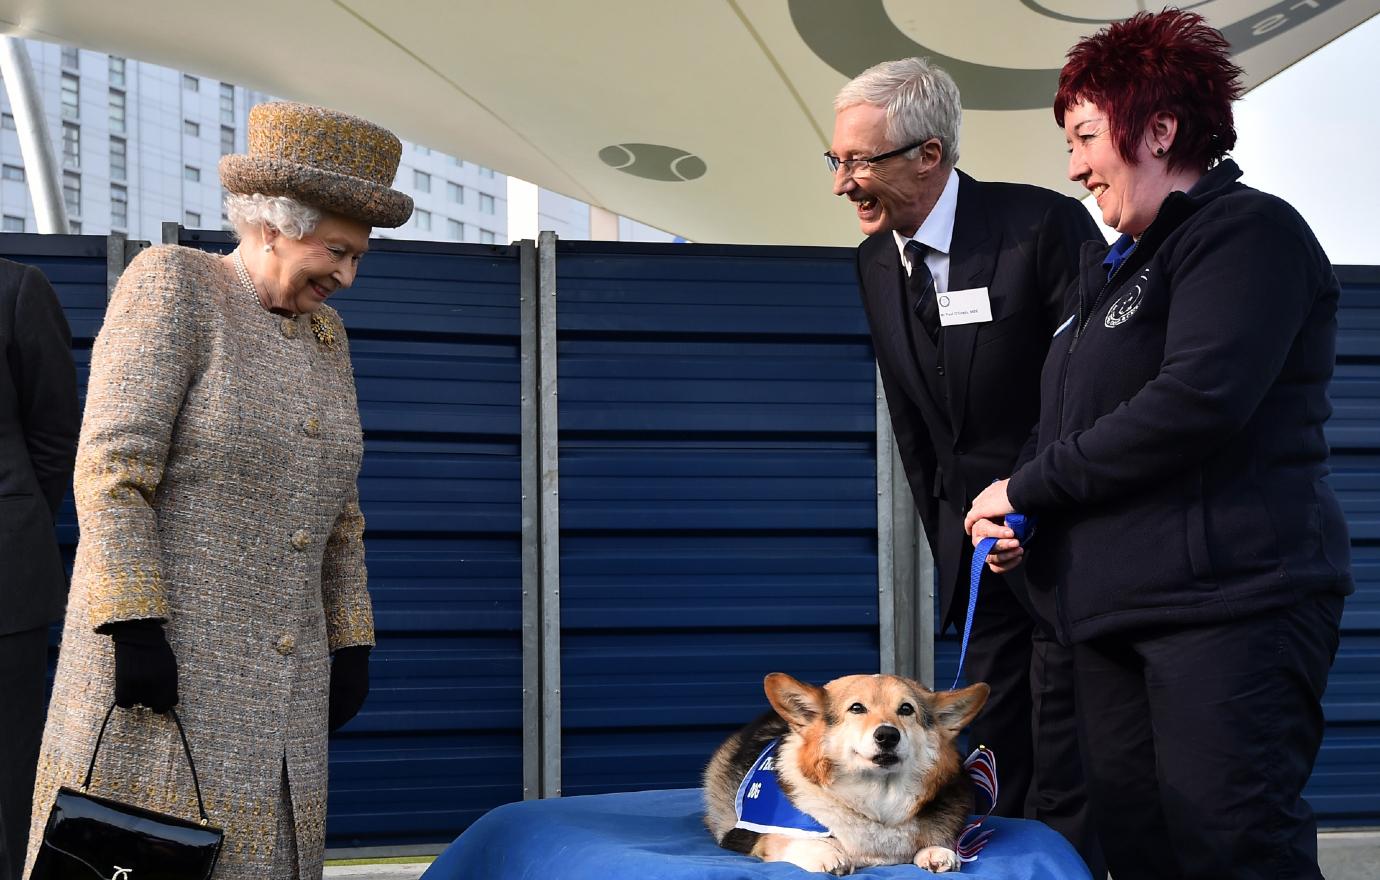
(853, 166)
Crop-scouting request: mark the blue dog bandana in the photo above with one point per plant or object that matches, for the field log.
(763, 807)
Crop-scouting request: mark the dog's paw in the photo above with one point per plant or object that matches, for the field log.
(815, 854)
(938, 859)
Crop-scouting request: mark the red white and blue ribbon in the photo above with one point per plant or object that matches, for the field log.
(982, 769)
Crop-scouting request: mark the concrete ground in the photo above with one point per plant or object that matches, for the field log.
(1343, 855)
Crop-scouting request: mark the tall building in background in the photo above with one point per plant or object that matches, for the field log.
(139, 144)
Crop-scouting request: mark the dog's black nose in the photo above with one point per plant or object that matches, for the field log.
(887, 736)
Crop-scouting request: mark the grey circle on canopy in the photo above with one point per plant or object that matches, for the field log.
(654, 162)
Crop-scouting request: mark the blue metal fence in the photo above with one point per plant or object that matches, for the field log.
(718, 506)
(718, 513)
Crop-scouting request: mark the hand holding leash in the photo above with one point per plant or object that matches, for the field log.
(982, 523)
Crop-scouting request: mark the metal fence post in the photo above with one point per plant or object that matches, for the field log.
(531, 518)
(905, 566)
(548, 459)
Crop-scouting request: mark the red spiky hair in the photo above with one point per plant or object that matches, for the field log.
(1172, 62)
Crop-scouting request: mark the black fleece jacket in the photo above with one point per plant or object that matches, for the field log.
(1180, 462)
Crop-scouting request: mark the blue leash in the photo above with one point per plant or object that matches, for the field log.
(1016, 522)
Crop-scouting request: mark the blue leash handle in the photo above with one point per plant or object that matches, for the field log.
(1016, 522)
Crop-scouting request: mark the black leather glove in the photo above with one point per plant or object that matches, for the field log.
(349, 684)
(145, 666)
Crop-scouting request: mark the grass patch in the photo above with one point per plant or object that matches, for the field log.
(393, 860)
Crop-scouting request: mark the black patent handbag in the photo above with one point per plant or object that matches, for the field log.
(95, 838)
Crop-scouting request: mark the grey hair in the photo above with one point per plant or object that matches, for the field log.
(287, 215)
(920, 99)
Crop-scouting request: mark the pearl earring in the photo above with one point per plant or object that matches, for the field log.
(268, 248)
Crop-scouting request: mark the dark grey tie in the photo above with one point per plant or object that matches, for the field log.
(920, 289)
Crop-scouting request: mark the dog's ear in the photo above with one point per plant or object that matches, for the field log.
(797, 702)
(954, 709)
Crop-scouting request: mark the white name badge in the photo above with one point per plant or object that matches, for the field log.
(964, 307)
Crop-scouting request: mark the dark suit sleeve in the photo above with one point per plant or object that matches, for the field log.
(917, 455)
(46, 382)
(1066, 226)
(912, 444)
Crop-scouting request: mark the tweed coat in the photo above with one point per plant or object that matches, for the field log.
(215, 488)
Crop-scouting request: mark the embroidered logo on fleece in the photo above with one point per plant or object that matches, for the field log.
(1126, 305)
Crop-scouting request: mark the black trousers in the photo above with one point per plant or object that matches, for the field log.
(1198, 742)
(1029, 721)
(23, 682)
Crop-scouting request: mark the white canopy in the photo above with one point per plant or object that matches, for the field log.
(704, 117)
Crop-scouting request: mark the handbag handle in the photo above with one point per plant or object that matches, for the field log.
(186, 749)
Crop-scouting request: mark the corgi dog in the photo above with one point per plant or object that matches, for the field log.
(868, 759)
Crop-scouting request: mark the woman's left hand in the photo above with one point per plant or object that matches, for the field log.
(349, 684)
(991, 503)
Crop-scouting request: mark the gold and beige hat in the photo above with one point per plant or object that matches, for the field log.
(328, 160)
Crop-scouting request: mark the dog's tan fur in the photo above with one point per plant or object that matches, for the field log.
(878, 812)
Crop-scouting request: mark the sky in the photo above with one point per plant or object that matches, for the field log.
(1311, 135)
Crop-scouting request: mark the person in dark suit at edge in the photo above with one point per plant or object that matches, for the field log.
(963, 284)
(39, 421)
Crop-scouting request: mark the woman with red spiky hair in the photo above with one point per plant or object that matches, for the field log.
(1199, 556)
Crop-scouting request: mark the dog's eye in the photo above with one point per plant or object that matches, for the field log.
(906, 709)
(857, 709)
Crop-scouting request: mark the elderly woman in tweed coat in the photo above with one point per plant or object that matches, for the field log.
(221, 562)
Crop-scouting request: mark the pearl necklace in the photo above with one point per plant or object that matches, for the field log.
(245, 282)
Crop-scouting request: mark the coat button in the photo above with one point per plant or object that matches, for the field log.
(285, 645)
(288, 328)
(311, 427)
(301, 539)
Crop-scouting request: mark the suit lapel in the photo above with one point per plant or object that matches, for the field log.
(884, 279)
(972, 260)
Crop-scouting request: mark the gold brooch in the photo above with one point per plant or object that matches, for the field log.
(324, 331)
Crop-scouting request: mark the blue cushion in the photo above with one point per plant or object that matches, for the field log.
(646, 834)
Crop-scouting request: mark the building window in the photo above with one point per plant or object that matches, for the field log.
(13, 224)
(13, 172)
(486, 203)
(456, 230)
(192, 173)
(227, 104)
(117, 158)
(117, 111)
(71, 145)
(455, 192)
(71, 192)
(423, 220)
(71, 59)
(485, 171)
(227, 140)
(7, 121)
(119, 207)
(191, 83)
(191, 128)
(421, 181)
(191, 220)
(117, 71)
(486, 236)
(71, 97)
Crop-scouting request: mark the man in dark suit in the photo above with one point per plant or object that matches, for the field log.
(963, 283)
(39, 420)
